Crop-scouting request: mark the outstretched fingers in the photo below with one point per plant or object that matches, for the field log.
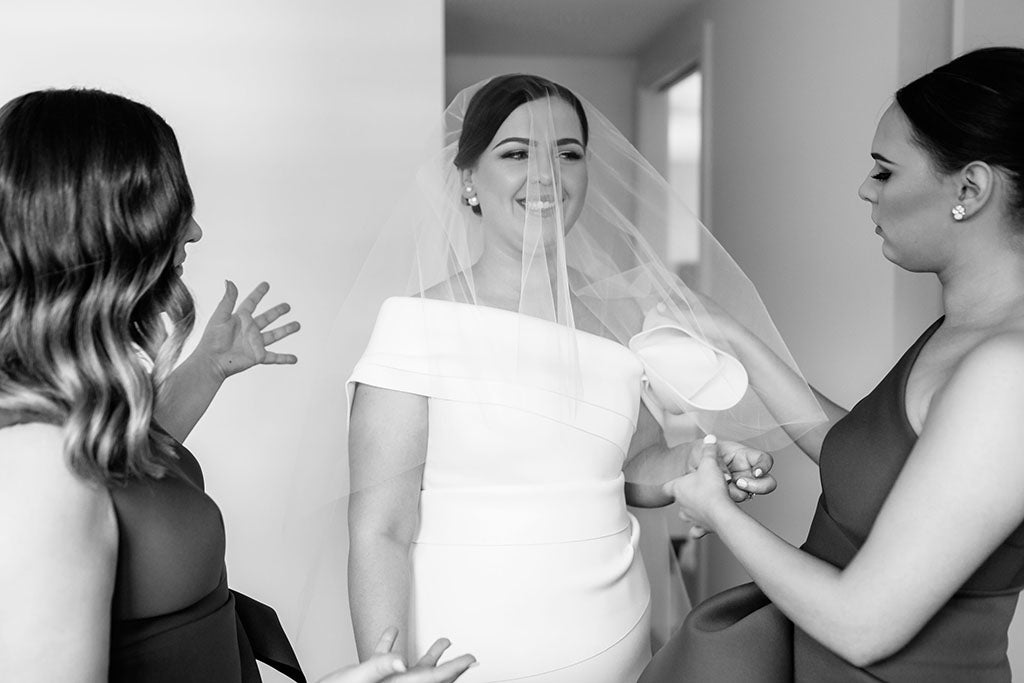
(227, 303)
(387, 641)
(249, 303)
(444, 673)
(270, 315)
(279, 333)
(434, 652)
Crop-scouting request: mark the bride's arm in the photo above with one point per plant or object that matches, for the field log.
(387, 436)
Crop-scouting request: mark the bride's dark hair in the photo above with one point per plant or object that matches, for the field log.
(93, 204)
(493, 103)
(971, 109)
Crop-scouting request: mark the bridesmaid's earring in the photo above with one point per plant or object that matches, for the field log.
(959, 212)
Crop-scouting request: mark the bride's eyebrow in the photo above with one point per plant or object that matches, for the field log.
(526, 141)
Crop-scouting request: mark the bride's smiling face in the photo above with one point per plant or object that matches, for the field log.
(535, 164)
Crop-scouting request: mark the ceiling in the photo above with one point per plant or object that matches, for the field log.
(604, 28)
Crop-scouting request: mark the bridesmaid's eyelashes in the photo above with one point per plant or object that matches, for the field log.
(882, 176)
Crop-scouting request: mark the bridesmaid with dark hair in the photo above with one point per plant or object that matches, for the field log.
(113, 555)
(915, 558)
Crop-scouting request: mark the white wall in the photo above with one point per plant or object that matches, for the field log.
(608, 82)
(294, 119)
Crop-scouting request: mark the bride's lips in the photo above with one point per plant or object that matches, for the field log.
(541, 205)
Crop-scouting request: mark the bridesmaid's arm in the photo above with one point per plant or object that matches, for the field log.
(59, 538)
(232, 342)
(784, 390)
(956, 500)
(387, 448)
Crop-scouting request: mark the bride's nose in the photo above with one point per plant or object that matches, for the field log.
(544, 173)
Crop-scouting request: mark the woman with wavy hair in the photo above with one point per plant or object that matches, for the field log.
(113, 555)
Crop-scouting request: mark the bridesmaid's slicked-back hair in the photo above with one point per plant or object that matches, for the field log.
(972, 109)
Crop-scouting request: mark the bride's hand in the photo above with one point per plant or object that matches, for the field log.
(707, 487)
(387, 666)
(745, 469)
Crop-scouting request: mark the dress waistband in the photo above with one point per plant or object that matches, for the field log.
(523, 515)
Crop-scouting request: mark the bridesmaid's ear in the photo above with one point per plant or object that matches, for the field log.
(976, 183)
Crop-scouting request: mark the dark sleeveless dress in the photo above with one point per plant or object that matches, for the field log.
(739, 635)
(173, 618)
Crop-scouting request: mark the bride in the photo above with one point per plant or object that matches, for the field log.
(525, 387)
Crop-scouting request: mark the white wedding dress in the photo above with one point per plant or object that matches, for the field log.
(525, 555)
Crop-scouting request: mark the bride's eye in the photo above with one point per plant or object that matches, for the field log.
(881, 176)
(515, 154)
(570, 155)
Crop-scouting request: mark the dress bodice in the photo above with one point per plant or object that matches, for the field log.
(170, 544)
(524, 382)
(861, 458)
(173, 617)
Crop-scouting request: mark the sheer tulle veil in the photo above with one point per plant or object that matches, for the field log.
(545, 219)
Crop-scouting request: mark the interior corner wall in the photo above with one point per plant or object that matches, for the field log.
(796, 90)
(608, 82)
(294, 121)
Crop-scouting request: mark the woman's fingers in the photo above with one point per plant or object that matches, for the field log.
(760, 463)
(271, 358)
(271, 314)
(698, 531)
(387, 641)
(227, 302)
(756, 485)
(249, 303)
(434, 652)
(279, 333)
(445, 673)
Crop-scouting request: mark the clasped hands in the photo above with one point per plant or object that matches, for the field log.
(719, 473)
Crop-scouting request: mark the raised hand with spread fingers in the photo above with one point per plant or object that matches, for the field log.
(234, 340)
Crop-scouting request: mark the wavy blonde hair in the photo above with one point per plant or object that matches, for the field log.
(94, 201)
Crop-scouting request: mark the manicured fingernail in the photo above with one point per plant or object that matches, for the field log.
(475, 663)
(398, 666)
(710, 439)
(758, 471)
(742, 483)
(727, 476)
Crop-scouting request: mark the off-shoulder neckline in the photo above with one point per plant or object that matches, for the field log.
(505, 311)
